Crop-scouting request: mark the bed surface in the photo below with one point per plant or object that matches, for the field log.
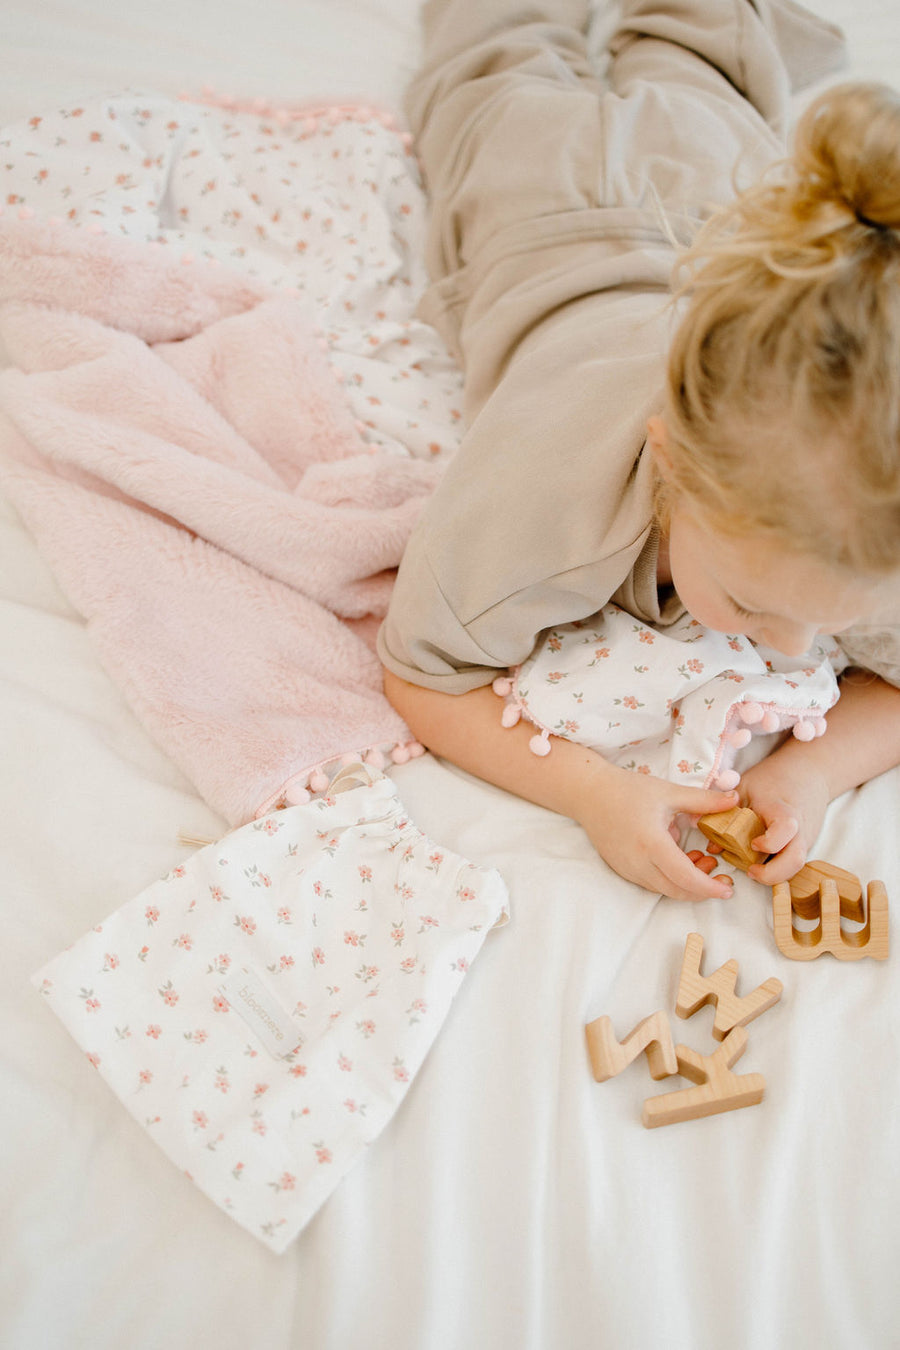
(512, 1202)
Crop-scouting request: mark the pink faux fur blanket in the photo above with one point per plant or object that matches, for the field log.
(176, 442)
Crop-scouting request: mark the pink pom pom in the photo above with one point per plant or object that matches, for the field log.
(728, 780)
(805, 731)
(511, 716)
(318, 781)
(349, 758)
(820, 726)
(740, 738)
(416, 749)
(502, 686)
(400, 754)
(374, 759)
(751, 713)
(540, 745)
(771, 721)
(296, 795)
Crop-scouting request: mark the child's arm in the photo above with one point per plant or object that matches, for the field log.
(792, 788)
(627, 816)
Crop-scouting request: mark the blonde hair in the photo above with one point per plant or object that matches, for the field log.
(784, 374)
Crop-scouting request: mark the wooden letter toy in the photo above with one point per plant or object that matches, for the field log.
(695, 989)
(718, 1088)
(732, 832)
(828, 936)
(805, 891)
(609, 1056)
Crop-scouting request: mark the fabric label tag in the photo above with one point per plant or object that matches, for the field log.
(262, 1012)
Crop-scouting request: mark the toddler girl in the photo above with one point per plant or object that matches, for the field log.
(745, 469)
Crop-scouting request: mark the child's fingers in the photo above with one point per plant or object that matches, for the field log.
(782, 866)
(777, 835)
(697, 802)
(681, 880)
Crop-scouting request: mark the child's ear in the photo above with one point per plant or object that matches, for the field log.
(658, 441)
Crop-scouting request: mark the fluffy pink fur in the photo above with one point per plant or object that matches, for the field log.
(175, 440)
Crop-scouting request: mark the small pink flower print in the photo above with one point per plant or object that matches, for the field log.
(735, 644)
(286, 1182)
(143, 953)
(285, 962)
(350, 1104)
(554, 642)
(93, 1058)
(177, 872)
(601, 653)
(367, 1027)
(461, 965)
(217, 894)
(220, 1004)
(465, 893)
(285, 915)
(695, 666)
(154, 1032)
(408, 965)
(259, 1126)
(168, 995)
(260, 1089)
(405, 892)
(345, 1064)
(91, 1003)
(270, 826)
(110, 961)
(397, 934)
(418, 1005)
(145, 1077)
(365, 873)
(353, 939)
(684, 766)
(221, 964)
(434, 861)
(629, 701)
(646, 636)
(401, 1073)
(184, 941)
(201, 1120)
(323, 1154)
(318, 956)
(298, 1070)
(221, 1082)
(238, 1171)
(246, 924)
(643, 768)
(151, 914)
(366, 973)
(555, 676)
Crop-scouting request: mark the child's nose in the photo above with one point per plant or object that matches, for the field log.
(791, 639)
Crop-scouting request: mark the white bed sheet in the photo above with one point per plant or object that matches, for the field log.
(512, 1203)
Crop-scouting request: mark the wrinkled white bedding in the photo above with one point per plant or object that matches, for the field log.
(512, 1202)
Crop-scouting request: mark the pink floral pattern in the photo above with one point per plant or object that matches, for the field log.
(668, 701)
(328, 206)
(161, 1021)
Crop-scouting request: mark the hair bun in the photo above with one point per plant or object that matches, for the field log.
(847, 152)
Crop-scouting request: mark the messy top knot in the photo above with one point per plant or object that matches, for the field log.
(784, 374)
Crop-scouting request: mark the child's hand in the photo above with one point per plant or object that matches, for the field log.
(632, 826)
(791, 803)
